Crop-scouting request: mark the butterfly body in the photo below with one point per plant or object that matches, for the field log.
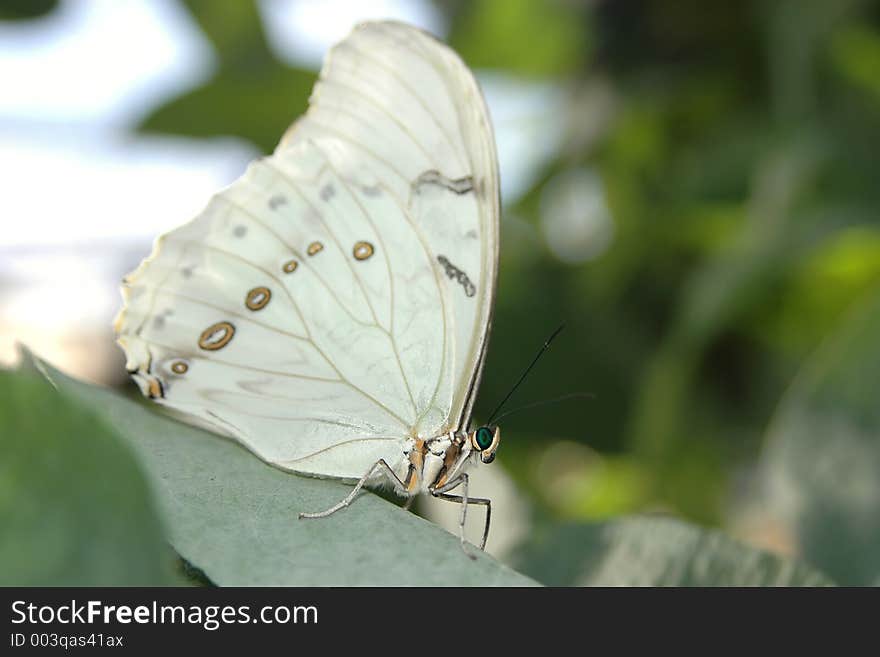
(331, 308)
(430, 465)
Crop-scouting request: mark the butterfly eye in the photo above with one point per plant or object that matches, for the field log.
(483, 439)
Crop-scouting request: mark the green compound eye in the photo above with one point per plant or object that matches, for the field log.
(484, 438)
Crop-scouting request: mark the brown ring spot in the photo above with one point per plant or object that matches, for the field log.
(258, 298)
(290, 266)
(362, 250)
(179, 367)
(315, 247)
(216, 336)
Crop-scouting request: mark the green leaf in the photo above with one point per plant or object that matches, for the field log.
(235, 518)
(258, 106)
(823, 457)
(236, 31)
(252, 95)
(822, 287)
(855, 53)
(656, 551)
(74, 508)
(717, 296)
(12, 10)
(492, 34)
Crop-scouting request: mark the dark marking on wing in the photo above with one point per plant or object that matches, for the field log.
(458, 275)
(457, 185)
(276, 201)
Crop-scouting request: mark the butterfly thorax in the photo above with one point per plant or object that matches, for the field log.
(430, 465)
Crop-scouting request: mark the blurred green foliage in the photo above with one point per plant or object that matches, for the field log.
(26, 9)
(823, 452)
(251, 95)
(557, 36)
(739, 168)
(74, 506)
(648, 551)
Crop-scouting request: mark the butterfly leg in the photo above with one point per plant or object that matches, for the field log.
(380, 466)
(464, 500)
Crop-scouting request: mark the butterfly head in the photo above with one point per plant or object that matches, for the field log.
(485, 440)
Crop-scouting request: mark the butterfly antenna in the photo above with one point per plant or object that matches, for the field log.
(526, 373)
(571, 395)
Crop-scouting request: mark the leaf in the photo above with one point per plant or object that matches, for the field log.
(252, 95)
(14, 10)
(257, 106)
(656, 551)
(236, 31)
(235, 518)
(491, 34)
(855, 53)
(822, 462)
(74, 508)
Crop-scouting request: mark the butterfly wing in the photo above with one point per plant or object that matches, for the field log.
(335, 300)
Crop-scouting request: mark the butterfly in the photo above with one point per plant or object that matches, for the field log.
(331, 309)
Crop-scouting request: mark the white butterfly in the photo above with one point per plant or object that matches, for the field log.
(331, 308)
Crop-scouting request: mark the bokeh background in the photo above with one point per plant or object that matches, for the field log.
(690, 187)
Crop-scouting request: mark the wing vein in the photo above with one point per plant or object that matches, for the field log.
(403, 128)
(301, 260)
(440, 288)
(293, 301)
(250, 368)
(161, 289)
(354, 142)
(334, 446)
(294, 185)
(378, 233)
(412, 92)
